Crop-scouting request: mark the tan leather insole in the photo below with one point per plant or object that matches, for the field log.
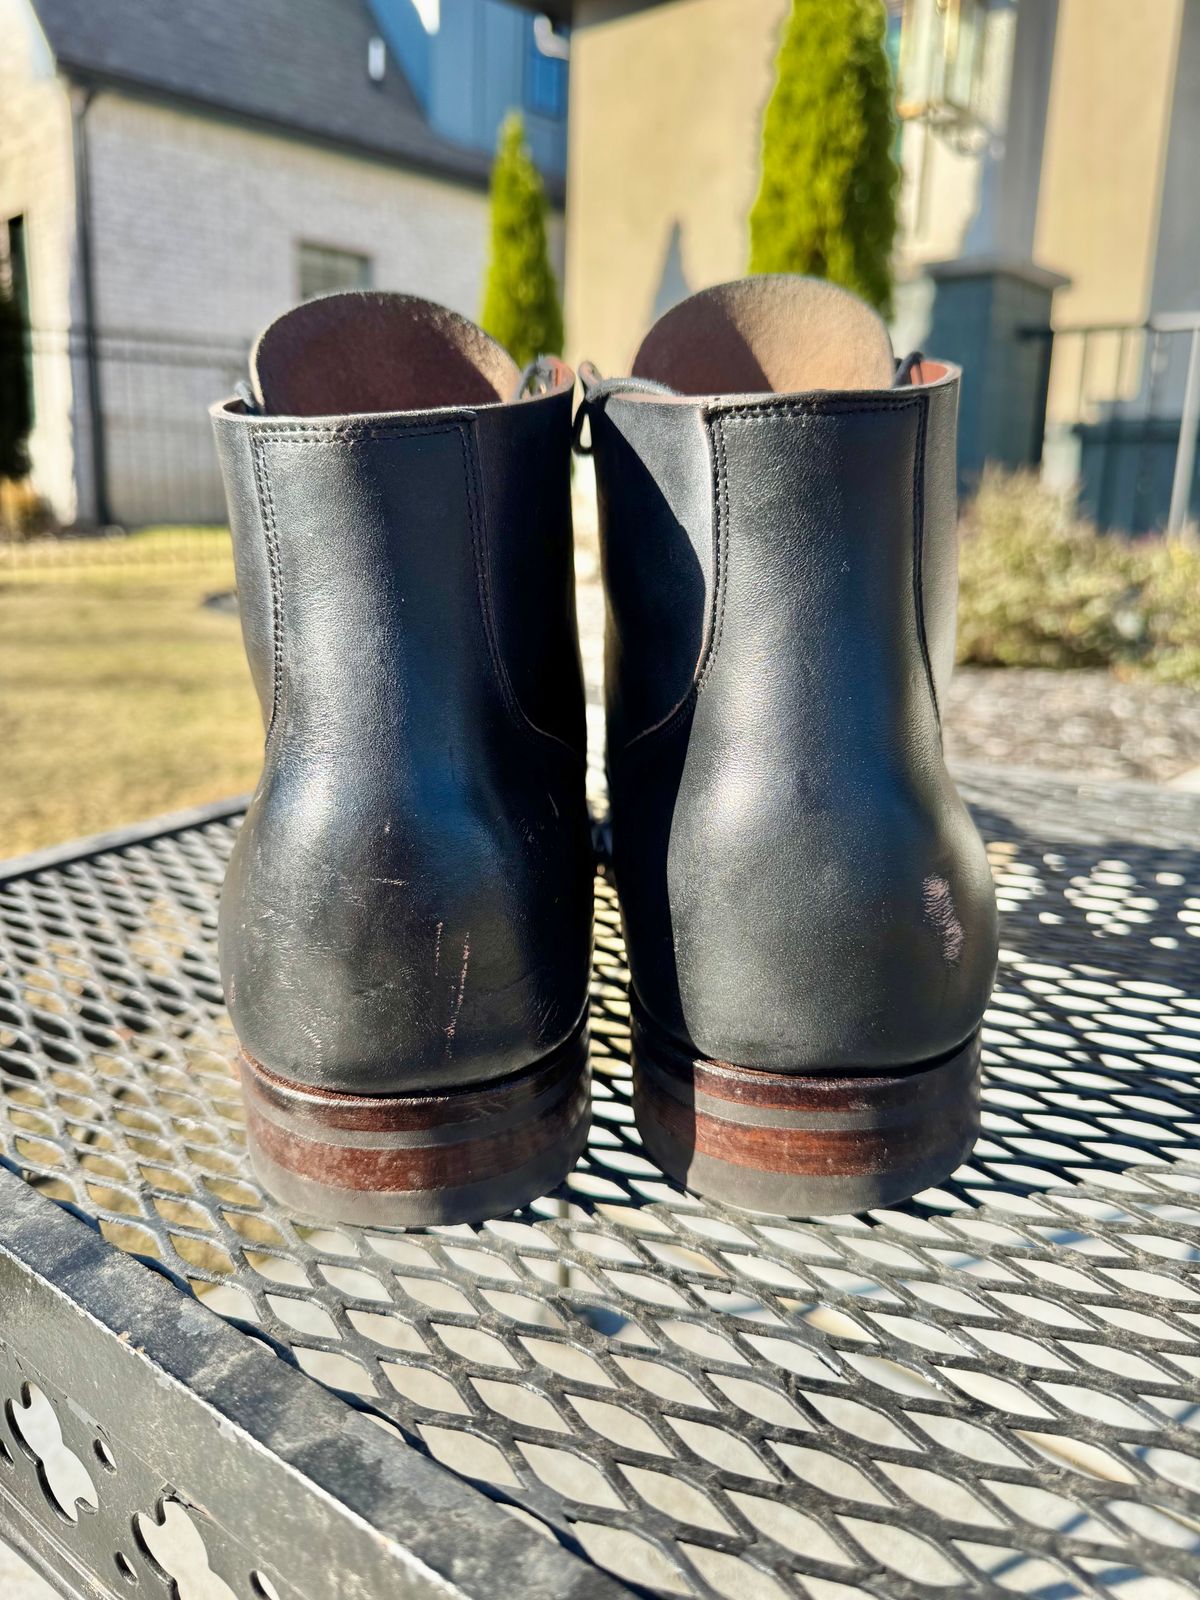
(774, 334)
(367, 351)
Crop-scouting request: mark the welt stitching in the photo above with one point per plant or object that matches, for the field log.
(266, 508)
(919, 552)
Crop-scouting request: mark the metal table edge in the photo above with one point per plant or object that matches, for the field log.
(82, 849)
(205, 1404)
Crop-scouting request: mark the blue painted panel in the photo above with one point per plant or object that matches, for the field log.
(481, 63)
(407, 41)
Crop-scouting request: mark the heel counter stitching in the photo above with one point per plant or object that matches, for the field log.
(767, 409)
(715, 622)
(300, 434)
(266, 512)
(919, 553)
(716, 428)
(520, 720)
(715, 419)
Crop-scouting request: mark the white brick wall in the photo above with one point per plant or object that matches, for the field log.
(37, 182)
(195, 230)
(195, 227)
(197, 221)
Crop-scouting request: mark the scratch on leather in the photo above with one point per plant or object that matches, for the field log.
(462, 989)
(938, 904)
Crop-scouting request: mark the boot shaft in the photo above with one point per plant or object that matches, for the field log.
(392, 563)
(408, 905)
(793, 558)
(802, 888)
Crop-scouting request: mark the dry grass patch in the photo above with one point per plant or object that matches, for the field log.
(121, 695)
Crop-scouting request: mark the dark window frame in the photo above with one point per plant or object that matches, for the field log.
(316, 258)
(15, 266)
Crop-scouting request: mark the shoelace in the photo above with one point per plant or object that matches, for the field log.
(597, 389)
(540, 371)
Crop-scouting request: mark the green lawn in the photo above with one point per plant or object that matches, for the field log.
(121, 694)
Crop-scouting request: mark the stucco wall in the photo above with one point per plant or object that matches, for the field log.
(37, 182)
(1176, 284)
(666, 123)
(1100, 200)
(1106, 141)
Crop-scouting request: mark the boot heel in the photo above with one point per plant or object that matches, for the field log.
(809, 1145)
(425, 1158)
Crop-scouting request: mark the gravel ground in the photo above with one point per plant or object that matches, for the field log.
(1088, 724)
(1084, 724)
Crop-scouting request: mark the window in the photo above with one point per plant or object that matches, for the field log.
(546, 71)
(323, 270)
(14, 279)
(14, 266)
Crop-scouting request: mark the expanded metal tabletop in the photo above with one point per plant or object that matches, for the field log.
(993, 1389)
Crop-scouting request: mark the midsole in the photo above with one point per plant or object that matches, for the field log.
(806, 1123)
(418, 1141)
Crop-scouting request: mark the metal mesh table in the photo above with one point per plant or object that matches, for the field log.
(994, 1389)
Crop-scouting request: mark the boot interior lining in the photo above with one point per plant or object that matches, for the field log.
(774, 334)
(344, 354)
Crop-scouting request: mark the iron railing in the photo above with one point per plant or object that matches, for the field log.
(1121, 417)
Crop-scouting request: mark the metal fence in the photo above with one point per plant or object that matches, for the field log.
(121, 437)
(120, 433)
(1122, 409)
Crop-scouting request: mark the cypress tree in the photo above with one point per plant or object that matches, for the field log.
(827, 202)
(520, 305)
(14, 390)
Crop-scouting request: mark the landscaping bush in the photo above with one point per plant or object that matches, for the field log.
(520, 305)
(24, 514)
(830, 183)
(1039, 587)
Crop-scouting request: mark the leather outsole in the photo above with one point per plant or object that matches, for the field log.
(423, 1158)
(801, 1145)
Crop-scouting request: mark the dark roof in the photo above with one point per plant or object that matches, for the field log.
(298, 65)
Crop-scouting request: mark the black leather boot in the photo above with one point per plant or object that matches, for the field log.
(808, 907)
(406, 922)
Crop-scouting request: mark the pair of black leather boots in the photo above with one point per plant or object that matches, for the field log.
(406, 922)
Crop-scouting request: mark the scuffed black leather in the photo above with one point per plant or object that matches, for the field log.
(409, 902)
(802, 888)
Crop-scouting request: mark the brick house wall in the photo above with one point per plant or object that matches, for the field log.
(37, 184)
(195, 236)
(196, 222)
